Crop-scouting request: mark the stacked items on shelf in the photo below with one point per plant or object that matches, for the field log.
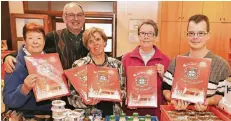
(59, 113)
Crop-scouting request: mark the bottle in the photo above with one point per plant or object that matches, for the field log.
(135, 116)
(130, 118)
(148, 117)
(112, 118)
(122, 117)
(141, 119)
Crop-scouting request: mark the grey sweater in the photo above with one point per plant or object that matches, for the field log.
(220, 70)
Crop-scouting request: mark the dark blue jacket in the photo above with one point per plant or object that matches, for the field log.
(12, 95)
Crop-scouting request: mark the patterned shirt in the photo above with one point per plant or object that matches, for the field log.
(76, 101)
(69, 46)
(219, 72)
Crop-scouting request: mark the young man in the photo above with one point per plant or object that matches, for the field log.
(198, 35)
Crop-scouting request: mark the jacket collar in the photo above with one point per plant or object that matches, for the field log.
(89, 59)
(135, 53)
(20, 56)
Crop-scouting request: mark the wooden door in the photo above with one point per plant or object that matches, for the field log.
(170, 38)
(171, 11)
(213, 10)
(191, 8)
(227, 11)
(213, 43)
(224, 40)
(184, 46)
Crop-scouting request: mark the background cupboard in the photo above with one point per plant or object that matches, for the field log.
(173, 19)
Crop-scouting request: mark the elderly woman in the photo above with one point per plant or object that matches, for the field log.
(147, 54)
(95, 40)
(17, 93)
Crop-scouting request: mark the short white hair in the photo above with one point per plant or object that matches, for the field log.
(71, 4)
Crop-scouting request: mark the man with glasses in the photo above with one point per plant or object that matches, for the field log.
(147, 54)
(67, 42)
(198, 35)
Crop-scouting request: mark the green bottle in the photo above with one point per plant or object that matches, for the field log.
(148, 117)
(141, 119)
(130, 118)
(112, 118)
(135, 116)
(122, 117)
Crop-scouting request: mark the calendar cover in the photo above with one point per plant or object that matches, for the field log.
(52, 82)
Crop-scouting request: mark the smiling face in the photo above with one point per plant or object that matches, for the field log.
(147, 36)
(74, 18)
(34, 42)
(197, 35)
(96, 44)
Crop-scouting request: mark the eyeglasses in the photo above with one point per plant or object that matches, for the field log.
(149, 34)
(72, 15)
(199, 34)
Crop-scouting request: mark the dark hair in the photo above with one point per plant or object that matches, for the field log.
(149, 22)
(198, 18)
(32, 27)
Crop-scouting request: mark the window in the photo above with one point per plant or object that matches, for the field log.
(104, 23)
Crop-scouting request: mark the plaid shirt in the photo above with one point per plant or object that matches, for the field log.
(75, 100)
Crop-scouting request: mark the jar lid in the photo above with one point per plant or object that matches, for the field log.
(74, 114)
(112, 116)
(123, 114)
(58, 103)
(141, 119)
(148, 116)
(130, 118)
(81, 111)
(135, 114)
(59, 117)
(57, 110)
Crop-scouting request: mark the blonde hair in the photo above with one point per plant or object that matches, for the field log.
(88, 33)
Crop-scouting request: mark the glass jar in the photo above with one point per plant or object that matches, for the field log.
(135, 116)
(122, 117)
(141, 119)
(148, 118)
(130, 118)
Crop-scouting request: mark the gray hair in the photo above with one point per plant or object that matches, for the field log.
(71, 4)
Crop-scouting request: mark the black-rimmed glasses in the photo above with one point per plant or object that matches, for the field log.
(199, 34)
(72, 15)
(149, 34)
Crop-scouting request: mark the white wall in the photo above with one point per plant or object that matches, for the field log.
(127, 10)
(16, 7)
